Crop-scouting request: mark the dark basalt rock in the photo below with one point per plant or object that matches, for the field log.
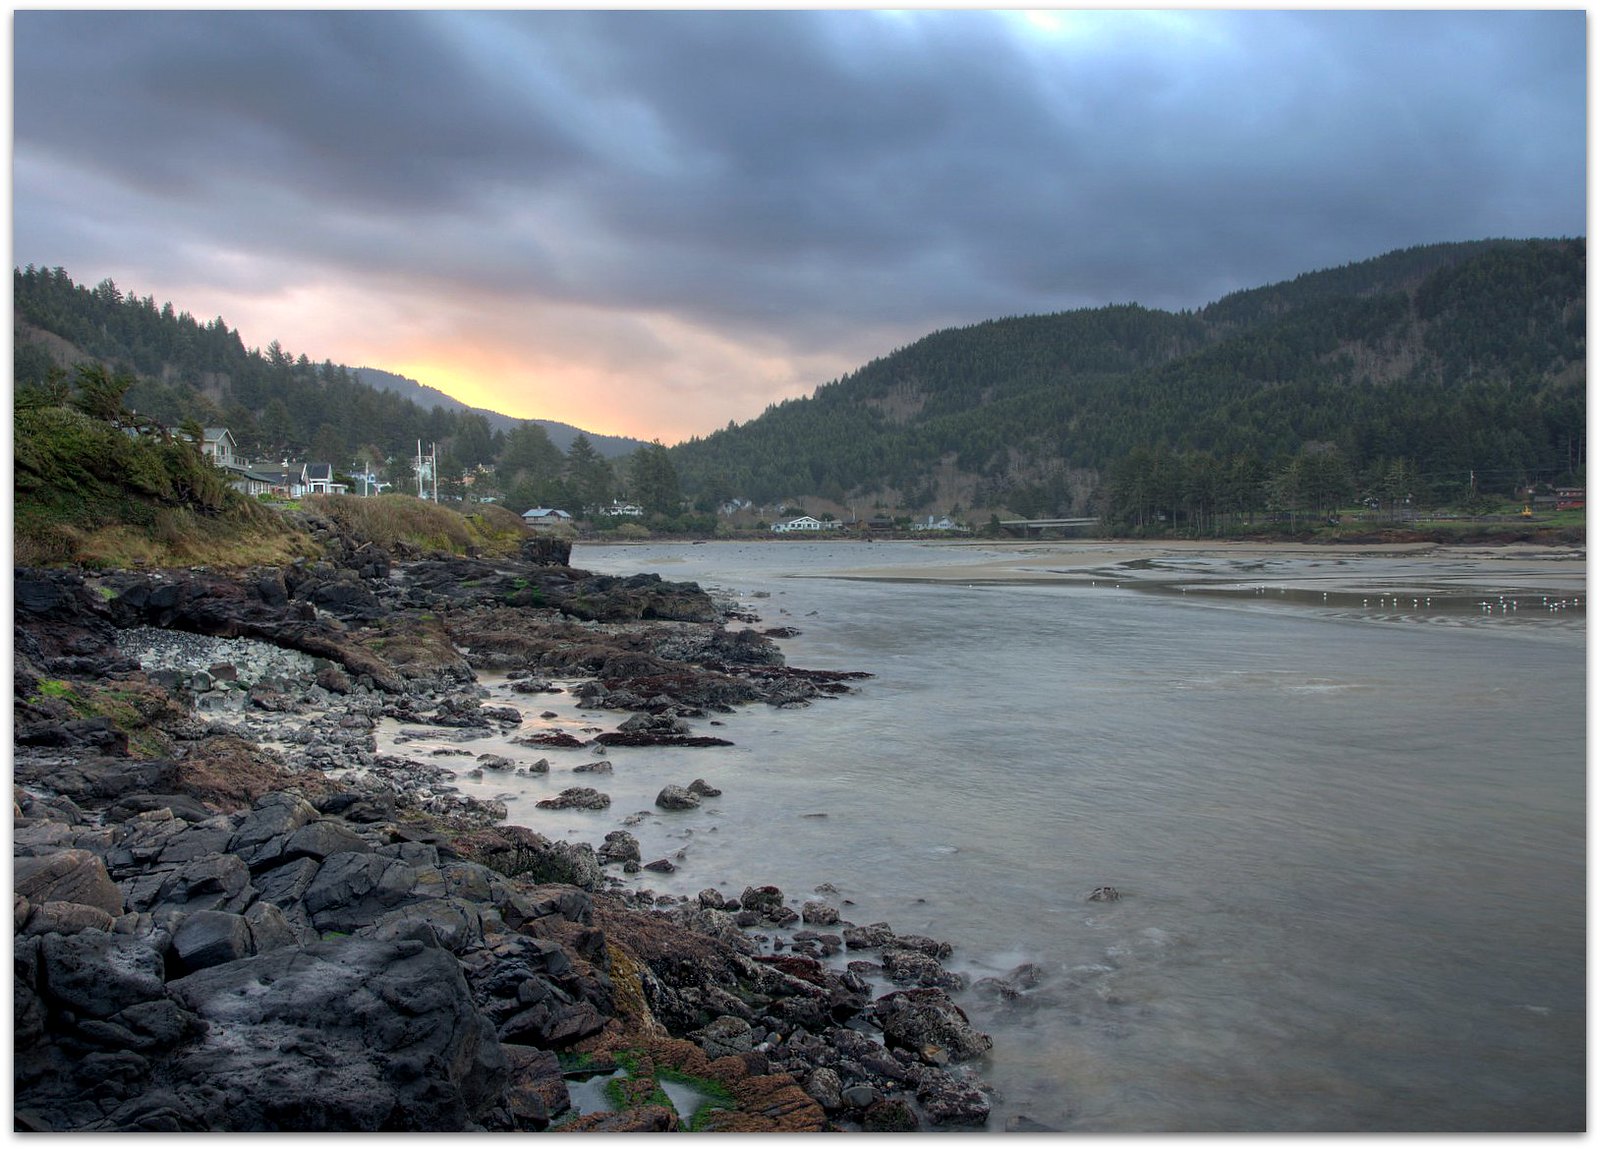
(198, 948)
(676, 798)
(547, 551)
(619, 846)
(338, 1036)
(649, 739)
(889, 1116)
(582, 798)
(949, 1103)
(925, 1021)
(549, 739)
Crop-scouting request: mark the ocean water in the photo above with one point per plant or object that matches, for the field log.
(1349, 837)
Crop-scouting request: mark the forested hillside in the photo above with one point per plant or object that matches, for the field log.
(1440, 370)
(279, 405)
(1434, 375)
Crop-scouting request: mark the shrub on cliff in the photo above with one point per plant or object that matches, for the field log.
(387, 520)
(90, 491)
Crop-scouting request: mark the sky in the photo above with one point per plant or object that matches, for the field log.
(653, 223)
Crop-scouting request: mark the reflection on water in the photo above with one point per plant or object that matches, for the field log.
(587, 1092)
(1351, 853)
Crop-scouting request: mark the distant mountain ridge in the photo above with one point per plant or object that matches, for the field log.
(561, 434)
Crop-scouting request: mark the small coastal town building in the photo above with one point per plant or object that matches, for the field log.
(537, 517)
(250, 482)
(631, 510)
(807, 523)
(1569, 498)
(317, 479)
(218, 445)
(370, 483)
(943, 523)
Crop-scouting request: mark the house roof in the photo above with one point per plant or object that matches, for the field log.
(319, 471)
(215, 433)
(544, 513)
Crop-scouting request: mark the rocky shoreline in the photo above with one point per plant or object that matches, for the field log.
(232, 913)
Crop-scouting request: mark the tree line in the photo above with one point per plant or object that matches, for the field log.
(1464, 362)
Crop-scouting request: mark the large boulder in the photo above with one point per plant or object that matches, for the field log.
(619, 847)
(352, 1036)
(96, 974)
(675, 798)
(579, 798)
(261, 838)
(518, 852)
(947, 1102)
(929, 1025)
(67, 876)
(356, 888)
(210, 938)
(913, 968)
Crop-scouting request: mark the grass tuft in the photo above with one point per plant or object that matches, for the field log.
(387, 520)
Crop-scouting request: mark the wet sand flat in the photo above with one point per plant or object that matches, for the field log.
(1354, 568)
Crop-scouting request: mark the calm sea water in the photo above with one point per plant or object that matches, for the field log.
(1350, 839)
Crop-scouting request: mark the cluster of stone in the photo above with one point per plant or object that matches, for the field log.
(318, 964)
(253, 921)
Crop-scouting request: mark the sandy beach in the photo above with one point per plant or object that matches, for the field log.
(1427, 568)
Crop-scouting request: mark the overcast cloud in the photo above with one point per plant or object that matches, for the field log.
(651, 223)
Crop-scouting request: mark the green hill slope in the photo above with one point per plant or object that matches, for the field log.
(95, 488)
(1459, 362)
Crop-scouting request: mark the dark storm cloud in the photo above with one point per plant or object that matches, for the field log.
(368, 109)
(801, 176)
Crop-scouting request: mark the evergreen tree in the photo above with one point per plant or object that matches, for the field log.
(530, 467)
(654, 480)
(472, 443)
(588, 476)
(99, 394)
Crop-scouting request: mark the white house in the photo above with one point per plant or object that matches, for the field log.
(632, 510)
(317, 479)
(218, 445)
(807, 523)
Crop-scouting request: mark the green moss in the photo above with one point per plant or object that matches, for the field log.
(634, 1089)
